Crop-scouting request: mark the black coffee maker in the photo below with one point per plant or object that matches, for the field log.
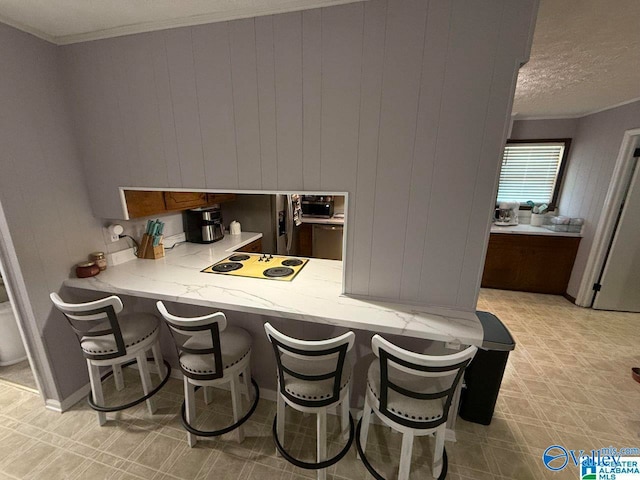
(204, 225)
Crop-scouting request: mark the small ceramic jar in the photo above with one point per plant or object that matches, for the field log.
(87, 269)
(99, 259)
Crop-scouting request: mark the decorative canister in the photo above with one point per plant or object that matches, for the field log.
(87, 269)
(99, 259)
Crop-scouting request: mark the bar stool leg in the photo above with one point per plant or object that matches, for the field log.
(146, 380)
(246, 382)
(236, 401)
(96, 390)
(405, 456)
(436, 468)
(364, 426)
(208, 398)
(157, 358)
(190, 409)
(280, 420)
(322, 442)
(344, 414)
(117, 376)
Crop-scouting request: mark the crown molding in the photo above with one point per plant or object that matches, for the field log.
(27, 29)
(145, 27)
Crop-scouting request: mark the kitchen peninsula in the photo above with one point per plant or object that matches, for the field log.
(315, 295)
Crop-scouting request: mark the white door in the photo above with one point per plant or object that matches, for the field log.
(620, 281)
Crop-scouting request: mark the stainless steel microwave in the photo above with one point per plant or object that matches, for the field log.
(317, 206)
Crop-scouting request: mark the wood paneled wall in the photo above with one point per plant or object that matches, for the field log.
(401, 103)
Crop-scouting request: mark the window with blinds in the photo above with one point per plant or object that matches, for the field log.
(532, 171)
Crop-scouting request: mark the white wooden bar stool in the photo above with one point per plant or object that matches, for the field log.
(313, 376)
(412, 394)
(111, 340)
(212, 354)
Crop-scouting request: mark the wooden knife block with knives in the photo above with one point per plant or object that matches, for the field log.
(151, 245)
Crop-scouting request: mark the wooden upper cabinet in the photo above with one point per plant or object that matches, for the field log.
(220, 197)
(185, 200)
(143, 203)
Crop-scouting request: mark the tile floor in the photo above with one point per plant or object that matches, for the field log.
(568, 382)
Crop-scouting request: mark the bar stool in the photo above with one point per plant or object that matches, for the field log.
(313, 376)
(111, 340)
(412, 394)
(212, 354)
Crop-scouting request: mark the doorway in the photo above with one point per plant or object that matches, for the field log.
(14, 365)
(612, 275)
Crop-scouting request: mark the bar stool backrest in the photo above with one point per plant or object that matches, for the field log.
(94, 319)
(197, 336)
(310, 351)
(445, 370)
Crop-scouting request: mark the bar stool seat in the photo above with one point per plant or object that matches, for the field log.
(323, 389)
(235, 345)
(133, 328)
(409, 407)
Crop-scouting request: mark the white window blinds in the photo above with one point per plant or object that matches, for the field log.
(530, 172)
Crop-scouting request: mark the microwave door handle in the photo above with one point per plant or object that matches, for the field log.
(289, 223)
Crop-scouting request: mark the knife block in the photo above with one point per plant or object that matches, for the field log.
(147, 250)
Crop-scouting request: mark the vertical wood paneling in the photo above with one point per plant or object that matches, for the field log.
(474, 28)
(429, 108)
(341, 70)
(500, 102)
(150, 166)
(288, 81)
(215, 96)
(397, 102)
(242, 41)
(180, 59)
(402, 72)
(165, 108)
(312, 97)
(265, 67)
(360, 221)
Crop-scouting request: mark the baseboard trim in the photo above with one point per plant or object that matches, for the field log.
(569, 297)
(70, 401)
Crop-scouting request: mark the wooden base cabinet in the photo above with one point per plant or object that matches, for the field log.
(253, 247)
(529, 263)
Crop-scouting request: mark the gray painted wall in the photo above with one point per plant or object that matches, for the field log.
(593, 156)
(544, 129)
(594, 150)
(401, 103)
(43, 193)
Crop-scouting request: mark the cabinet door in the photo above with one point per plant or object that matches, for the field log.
(184, 200)
(253, 247)
(143, 203)
(220, 197)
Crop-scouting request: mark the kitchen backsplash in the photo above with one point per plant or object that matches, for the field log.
(172, 226)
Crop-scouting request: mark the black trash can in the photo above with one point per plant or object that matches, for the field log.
(484, 375)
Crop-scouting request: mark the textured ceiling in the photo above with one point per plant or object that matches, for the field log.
(585, 58)
(585, 55)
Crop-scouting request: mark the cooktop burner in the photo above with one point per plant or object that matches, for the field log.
(292, 262)
(226, 267)
(239, 258)
(278, 272)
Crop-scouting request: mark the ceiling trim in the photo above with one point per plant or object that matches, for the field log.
(180, 22)
(517, 116)
(27, 29)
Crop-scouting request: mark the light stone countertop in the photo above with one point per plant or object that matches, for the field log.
(524, 229)
(313, 296)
